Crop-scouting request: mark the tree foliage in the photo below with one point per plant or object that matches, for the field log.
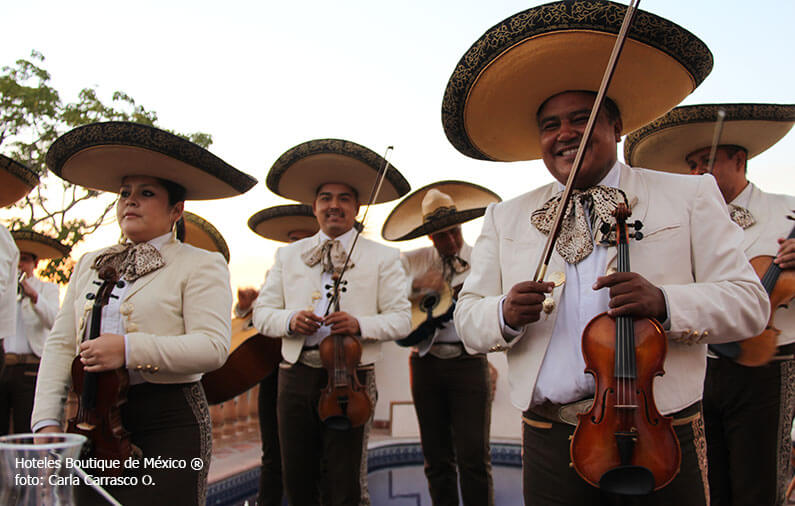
(32, 116)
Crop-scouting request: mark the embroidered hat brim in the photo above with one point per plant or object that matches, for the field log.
(100, 155)
(276, 223)
(16, 180)
(491, 101)
(301, 170)
(202, 234)
(406, 219)
(43, 246)
(664, 143)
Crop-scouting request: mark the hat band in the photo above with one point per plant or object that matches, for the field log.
(439, 212)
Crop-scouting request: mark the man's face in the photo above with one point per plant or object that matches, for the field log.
(729, 171)
(561, 122)
(27, 263)
(448, 242)
(336, 206)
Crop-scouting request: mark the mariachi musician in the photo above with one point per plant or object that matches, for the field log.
(286, 223)
(525, 91)
(451, 388)
(747, 410)
(167, 320)
(16, 180)
(37, 304)
(335, 176)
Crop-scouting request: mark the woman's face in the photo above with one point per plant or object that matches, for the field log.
(143, 211)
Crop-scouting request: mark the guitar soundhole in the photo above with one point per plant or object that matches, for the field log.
(429, 302)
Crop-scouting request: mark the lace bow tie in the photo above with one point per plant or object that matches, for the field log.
(130, 260)
(741, 216)
(453, 265)
(575, 241)
(329, 253)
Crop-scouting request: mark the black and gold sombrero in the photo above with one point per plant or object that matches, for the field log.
(43, 246)
(490, 104)
(16, 180)
(436, 207)
(194, 230)
(664, 143)
(277, 223)
(99, 155)
(301, 170)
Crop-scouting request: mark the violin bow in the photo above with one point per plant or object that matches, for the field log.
(541, 270)
(716, 140)
(379, 181)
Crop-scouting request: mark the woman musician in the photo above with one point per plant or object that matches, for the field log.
(166, 322)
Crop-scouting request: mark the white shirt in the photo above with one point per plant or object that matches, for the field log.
(9, 260)
(321, 299)
(561, 378)
(34, 321)
(418, 262)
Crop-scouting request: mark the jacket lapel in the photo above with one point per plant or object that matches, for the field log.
(760, 209)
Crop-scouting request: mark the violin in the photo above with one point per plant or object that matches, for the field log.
(623, 444)
(344, 403)
(780, 288)
(101, 395)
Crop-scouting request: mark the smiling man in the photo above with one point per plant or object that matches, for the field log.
(323, 460)
(703, 297)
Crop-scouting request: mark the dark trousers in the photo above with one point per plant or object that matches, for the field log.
(313, 455)
(165, 422)
(549, 479)
(270, 478)
(452, 398)
(748, 418)
(17, 389)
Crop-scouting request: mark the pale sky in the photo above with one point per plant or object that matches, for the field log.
(261, 77)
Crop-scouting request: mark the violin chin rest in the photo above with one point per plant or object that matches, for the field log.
(338, 422)
(627, 480)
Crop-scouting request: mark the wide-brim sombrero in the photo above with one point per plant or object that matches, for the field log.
(100, 155)
(406, 221)
(276, 223)
(43, 246)
(202, 234)
(490, 103)
(664, 143)
(16, 180)
(301, 170)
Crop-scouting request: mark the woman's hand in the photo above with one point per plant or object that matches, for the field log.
(104, 353)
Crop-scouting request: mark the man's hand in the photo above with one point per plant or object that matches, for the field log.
(632, 295)
(431, 280)
(343, 323)
(104, 353)
(522, 305)
(785, 258)
(245, 298)
(29, 291)
(305, 322)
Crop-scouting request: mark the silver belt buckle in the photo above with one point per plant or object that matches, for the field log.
(568, 413)
(446, 351)
(311, 358)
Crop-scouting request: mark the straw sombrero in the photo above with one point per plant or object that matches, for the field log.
(276, 223)
(197, 231)
(490, 104)
(99, 155)
(16, 180)
(43, 246)
(664, 143)
(436, 207)
(301, 170)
